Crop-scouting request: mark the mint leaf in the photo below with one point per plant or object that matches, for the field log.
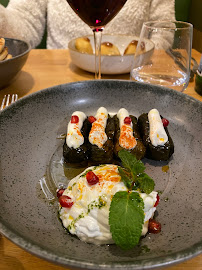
(138, 167)
(126, 218)
(130, 162)
(135, 178)
(125, 177)
(145, 183)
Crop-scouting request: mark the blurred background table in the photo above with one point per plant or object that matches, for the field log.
(45, 68)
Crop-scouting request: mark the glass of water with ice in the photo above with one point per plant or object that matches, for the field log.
(169, 62)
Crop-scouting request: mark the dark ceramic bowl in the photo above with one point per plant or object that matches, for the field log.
(29, 131)
(10, 68)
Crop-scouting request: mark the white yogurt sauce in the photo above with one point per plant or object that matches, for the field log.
(157, 132)
(74, 137)
(88, 218)
(97, 133)
(126, 138)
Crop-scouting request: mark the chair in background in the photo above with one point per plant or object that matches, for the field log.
(195, 14)
(191, 11)
(182, 8)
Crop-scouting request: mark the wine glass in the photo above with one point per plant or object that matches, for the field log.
(97, 13)
(169, 64)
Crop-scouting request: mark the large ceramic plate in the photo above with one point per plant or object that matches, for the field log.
(29, 131)
(110, 64)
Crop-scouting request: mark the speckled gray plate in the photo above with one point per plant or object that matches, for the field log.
(28, 140)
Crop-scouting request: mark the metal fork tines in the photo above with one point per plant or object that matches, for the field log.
(7, 100)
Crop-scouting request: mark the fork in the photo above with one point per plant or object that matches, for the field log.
(7, 100)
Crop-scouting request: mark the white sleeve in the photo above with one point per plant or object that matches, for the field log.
(24, 19)
(163, 10)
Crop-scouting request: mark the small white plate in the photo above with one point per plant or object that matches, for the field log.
(110, 64)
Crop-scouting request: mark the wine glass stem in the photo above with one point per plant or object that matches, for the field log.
(97, 40)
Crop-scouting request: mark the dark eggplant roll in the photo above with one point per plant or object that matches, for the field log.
(159, 152)
(74, 153)
(101, 138)
(135, 145)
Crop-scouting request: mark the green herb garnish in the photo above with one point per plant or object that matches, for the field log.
(133, 174)
(84, 174)
(101, 203)
(145, 183)
(126, 218)
(126, 213)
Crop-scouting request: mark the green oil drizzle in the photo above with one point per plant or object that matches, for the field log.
(92, 205)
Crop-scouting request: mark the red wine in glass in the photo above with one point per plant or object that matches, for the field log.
(96, 14)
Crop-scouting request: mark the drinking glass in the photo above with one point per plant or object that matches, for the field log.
(97, 13)
(169, 63)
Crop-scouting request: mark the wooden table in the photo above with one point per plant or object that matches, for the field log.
(45, 68)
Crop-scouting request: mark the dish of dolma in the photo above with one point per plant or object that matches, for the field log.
(155, 152)
(75, 148)
(101, 137)
(127, 135)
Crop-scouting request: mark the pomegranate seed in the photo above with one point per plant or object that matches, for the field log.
(165, 122)
(60, 192)
(127, 120)
(92, 178)
(91, 119)
(66, 201)
(157, 200)
(74, 119)
(154, 226)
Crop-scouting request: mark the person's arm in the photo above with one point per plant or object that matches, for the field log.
(23, 19)
(162, 10)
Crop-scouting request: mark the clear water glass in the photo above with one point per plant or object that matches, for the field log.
(169, 63)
